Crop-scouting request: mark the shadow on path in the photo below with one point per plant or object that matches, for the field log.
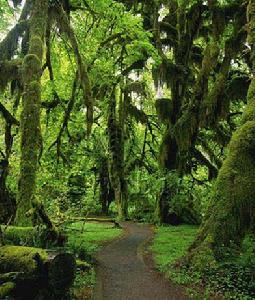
(123, 275)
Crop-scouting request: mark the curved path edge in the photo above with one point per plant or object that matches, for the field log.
(123, 273)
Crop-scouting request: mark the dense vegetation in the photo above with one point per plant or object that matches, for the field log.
(141, 110)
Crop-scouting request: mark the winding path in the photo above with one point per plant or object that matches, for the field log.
(123, 275)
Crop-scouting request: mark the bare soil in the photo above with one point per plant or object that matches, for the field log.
(124, 274)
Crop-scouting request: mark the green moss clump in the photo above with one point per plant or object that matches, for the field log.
(36, 44)
(82, 265)
(6, 288)
(20, 259)
(31, 68)
(19, 235)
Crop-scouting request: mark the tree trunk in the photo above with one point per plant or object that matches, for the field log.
(7, 203)
(231, 213)
(116, 149)
(30, 117)
(164, 205)
(106, 191)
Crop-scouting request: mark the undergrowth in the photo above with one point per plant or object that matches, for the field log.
(231, 279)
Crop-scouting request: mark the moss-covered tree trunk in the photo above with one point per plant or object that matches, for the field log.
(30, 117)
(106, 190)
(116, 149)
(232, 211)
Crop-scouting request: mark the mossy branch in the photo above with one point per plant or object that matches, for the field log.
(9, 118)
(66, 118)
(65, 26)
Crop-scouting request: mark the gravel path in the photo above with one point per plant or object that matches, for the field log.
(123, 275)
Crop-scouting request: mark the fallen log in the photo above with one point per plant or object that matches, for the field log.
(30, 273)
(39, 236)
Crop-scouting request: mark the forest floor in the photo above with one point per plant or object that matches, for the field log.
(125, 273)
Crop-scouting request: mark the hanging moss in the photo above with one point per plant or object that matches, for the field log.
(65, 26)
(168, 152)
(9, 70)
(164, 108)
(6, 289)
(10, 43)
(231, 212)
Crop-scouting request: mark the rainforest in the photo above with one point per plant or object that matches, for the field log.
(127, 149)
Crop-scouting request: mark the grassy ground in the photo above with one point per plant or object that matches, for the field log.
(228, 280)
(86, 239)
(171, 243)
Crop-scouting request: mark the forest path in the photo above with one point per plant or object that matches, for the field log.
(123, 275)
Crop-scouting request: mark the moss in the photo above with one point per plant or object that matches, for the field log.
(31, 68)
(9, 44)
(30, 116)
(39, 236)
(6, 288)
(249, 113)
(230, 215)
(37, 45)
(64, 24)
(9, 70)
(231, 212)
(168, 151)
(235, 188)
(164, 109)
(16, 259)
(19, 235)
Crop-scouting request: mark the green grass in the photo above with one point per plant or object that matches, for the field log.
(85, 239)
(171, 243)
(230, 280)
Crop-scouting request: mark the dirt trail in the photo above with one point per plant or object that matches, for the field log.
(123, 275)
